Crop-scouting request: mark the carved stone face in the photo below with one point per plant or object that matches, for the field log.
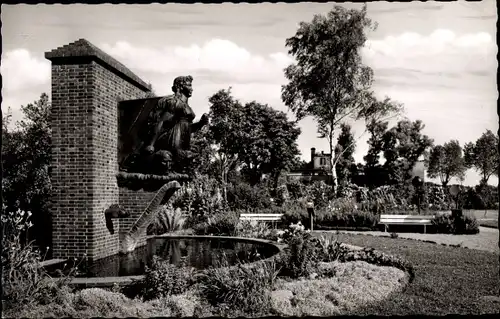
(187, 89)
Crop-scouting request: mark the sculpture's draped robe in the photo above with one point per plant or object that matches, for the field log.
(175, 134)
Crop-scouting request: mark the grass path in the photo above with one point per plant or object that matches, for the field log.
(448, 280)
(486, 240)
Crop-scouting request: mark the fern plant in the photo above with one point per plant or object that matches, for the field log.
(167, 220)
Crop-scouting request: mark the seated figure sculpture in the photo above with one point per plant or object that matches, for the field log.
(166, 137)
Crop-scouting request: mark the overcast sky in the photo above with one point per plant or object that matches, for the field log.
(438, 59)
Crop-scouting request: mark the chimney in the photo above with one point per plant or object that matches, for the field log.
(313, 152)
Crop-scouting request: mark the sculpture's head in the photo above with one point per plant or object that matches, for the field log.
(184, 85)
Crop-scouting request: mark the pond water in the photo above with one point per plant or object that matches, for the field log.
(198, 253)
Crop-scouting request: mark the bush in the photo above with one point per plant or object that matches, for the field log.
(296, 189)
(219, 225)
(373, 256)
(241, 195)
(23, 280)
(254, 229)
(330, 250)
(449, 224)
(164, 279)
(301, 254)
(293, 213)
(240, 288)
(319, 193)
(201, 196)
(353, 219)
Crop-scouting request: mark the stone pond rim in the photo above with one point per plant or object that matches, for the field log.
(89, 282)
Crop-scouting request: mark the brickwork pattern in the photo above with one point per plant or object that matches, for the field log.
(133, 202)
(84, 121)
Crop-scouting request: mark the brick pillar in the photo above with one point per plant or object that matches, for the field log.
(86, 87)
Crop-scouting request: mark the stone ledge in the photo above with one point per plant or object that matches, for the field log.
(148, 182)
(85, 51)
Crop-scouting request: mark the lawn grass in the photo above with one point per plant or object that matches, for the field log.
(448, 280)
(488, 218)
(482, 214)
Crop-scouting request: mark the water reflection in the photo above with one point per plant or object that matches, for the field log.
(198, 253)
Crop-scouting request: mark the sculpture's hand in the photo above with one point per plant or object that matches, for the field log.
(204, 119)
(150, 149)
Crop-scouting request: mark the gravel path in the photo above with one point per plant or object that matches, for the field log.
(487, 239)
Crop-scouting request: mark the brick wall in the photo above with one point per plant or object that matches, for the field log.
(86, 87)
(133, 202)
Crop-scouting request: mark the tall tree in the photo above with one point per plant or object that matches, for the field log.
(255, 137)
(403, 145)
(26, 156)
(272, 145)
(346, 146)
(328, 80)
(483, 155)
(374, 172)
(446, 161)
(225, 132)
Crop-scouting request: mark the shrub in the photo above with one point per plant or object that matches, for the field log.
(301, 254)
(373, 256)
(23, 280)
(345, 218)
(167, 220)
(319, 193)
(329, 250)
(241, 195)
(219, 225)
(243, 288)
(449, 224)
(254, 229)
(164, 279)
(443, 224)
(296, 189)
(201, 196)
(294, 212)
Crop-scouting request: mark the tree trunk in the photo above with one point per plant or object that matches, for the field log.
(132, 237)
(333, 163)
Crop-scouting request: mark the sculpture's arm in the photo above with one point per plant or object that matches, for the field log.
(199, 125)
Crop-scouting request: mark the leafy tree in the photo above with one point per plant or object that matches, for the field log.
(26, 156)
(346, 146)
(329, 80)
(446, 161)
(374, 172)
(483, 155)
(300, 164)
(272, 145)
(201, 144)
(403, 145)
(254, 137)
(225, 133)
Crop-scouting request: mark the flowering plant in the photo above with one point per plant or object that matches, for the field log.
(292, 231)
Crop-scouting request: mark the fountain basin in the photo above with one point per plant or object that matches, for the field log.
(199, 252)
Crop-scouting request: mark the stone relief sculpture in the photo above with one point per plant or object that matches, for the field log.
(155, 150)
(162, 144)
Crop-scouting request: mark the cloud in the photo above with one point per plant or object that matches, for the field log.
(224, 59)
(481, 17)
(441, 52)
(21, 70)
(422, 7)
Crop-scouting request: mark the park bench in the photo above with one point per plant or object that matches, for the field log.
(273, 218)
(424, 220)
